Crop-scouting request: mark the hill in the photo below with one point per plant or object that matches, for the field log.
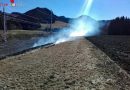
(44, 15)
(38, 17)
(31, 19)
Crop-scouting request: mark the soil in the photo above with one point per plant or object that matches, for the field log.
(116, 47)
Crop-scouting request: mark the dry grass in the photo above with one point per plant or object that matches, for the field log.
(33, 33)
(76, 65)
(23, 34)
(57, 24)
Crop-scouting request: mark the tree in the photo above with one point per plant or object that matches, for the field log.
(119, 26)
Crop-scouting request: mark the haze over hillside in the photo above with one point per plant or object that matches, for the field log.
(42, 17)
(34, 18)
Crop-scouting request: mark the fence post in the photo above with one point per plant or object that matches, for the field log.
(51, 21)
(5, 27)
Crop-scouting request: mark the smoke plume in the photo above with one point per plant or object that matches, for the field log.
(83, 26)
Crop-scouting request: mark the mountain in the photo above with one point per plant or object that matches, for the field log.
(41, 17)
(31, 19)
(45, 15)
(85, 17)
(36, 18)
(102, 24)
(24, 17)
(42, 14)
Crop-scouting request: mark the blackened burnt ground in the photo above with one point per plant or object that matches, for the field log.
(116, 47)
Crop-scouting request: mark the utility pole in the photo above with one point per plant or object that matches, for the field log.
(51, 21)
(5, 27)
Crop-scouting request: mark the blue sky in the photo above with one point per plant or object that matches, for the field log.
(101, 9)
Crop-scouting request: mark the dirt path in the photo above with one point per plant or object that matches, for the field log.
(76, 65)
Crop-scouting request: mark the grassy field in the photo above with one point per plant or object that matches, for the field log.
(57, 24)
(117, 47)
(23, 34)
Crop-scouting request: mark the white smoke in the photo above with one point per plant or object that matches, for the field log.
(83, 26)
(78, 28)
